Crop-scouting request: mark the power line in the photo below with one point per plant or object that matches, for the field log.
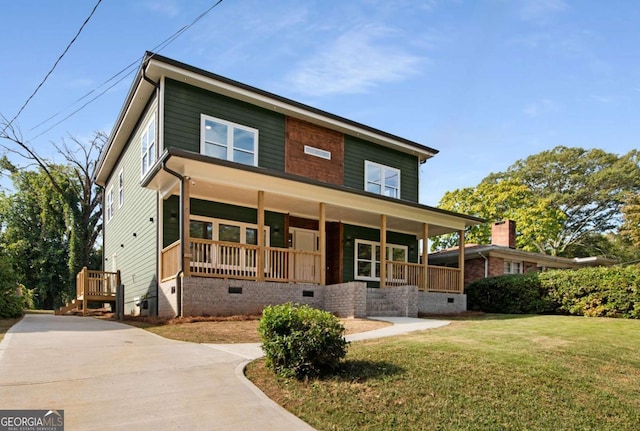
(158, 48)
(52, 68)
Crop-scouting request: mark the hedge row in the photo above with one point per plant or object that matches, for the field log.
(600, 291)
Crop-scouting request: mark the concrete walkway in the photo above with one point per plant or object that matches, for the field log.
(111, 376)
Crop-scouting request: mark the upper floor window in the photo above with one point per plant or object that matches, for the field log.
(121, 188)
(148, 147)
(381, 179)
(368, 258)
(511, 267)
(228, 141)
(109, 209)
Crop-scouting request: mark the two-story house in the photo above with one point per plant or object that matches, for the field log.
(221, 198)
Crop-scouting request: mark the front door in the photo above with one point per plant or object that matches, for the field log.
(303, 265)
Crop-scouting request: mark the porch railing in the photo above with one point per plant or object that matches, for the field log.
(239, 261)
(441, 279)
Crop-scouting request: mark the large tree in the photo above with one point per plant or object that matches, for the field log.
(577, 194)
(81, 198)
(34, 236)
(631, 216)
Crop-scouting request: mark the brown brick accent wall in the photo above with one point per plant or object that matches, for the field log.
(300, 133)
(529, 266)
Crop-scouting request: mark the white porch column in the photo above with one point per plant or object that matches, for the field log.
(383, 250)
(260, 259)
(186, 215)
(461, 260)
(425, 257)
(322, 233)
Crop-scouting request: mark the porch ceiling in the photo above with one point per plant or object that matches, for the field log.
(213, 179)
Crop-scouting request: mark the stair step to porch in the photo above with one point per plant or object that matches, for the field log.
(378, 305)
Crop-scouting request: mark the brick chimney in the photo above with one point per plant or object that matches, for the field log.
(503, 233)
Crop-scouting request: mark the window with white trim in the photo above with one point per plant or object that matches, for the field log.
(381, 179)
(512, 267)
(109, 204)
(148, 147)
(121, 188)
(228, 141)
(367, 258)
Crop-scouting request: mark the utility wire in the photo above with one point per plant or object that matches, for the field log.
(52, 68)
(158, 48)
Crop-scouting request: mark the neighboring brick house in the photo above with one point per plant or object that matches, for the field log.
(501, 257)
(221, 198)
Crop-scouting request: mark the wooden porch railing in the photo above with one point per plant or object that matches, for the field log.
(232, 260)
(441, 279)
(239, 261)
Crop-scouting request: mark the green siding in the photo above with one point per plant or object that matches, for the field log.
(356, 151)
(184, 103)
(135, 256)
(359, 232)
(171, 231)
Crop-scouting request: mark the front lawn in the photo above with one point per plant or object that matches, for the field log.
(494, 372)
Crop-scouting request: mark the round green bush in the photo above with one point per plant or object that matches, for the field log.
(301, 341)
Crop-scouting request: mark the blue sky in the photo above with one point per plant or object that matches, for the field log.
(486, 82)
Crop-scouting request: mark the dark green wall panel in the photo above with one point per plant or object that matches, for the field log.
(356, 151)
(184, 103)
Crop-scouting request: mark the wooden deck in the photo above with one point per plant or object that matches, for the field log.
(91, 287)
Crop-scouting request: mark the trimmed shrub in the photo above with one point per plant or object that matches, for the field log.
(300, 341)
(601, 291)
(511, 294)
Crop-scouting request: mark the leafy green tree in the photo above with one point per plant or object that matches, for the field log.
(81, 198)
(631, 216)
(34, 236)
(559, 198)
(536, 219)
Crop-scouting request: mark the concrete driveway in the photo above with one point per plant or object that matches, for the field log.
(111, 376)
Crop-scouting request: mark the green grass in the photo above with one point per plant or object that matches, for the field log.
(488, 373)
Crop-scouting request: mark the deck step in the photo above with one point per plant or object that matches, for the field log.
(379, 305)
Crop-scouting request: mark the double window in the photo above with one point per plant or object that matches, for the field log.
(109, 204)
(228, 141)
(367, 258)
(148, 147)
(512, 267)
(381, 179)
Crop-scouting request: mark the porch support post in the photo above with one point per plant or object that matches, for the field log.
(260, 259)
(461, 261)
(383, 250)
(322, 233)
(186, 215)
(425, 257)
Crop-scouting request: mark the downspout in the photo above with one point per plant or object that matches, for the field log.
(486, 264)
(181, 235)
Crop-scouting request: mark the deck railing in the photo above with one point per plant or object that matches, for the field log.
(96, 283)
(222, 259)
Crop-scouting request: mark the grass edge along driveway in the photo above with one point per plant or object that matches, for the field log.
(486, 373)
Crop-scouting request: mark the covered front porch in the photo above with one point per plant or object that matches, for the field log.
(328, 212)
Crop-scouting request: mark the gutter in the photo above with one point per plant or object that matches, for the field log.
(486, 264)
(180, 272)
